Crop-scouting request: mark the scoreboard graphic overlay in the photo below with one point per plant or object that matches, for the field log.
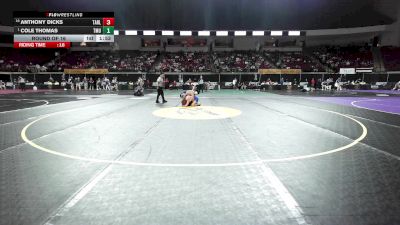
(59, 29)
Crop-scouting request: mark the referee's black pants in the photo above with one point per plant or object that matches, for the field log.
(200, 88)
(160, 92)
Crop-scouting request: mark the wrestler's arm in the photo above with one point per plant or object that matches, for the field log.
(188, 100)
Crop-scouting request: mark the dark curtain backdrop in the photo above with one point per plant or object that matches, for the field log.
(216, 14)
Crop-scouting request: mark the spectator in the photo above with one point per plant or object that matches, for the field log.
(396, 86)
(2, 85)
(98, 84)
(185, 62)
(91, 84)
(200, 85)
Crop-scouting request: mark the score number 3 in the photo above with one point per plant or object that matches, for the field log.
(108, 21)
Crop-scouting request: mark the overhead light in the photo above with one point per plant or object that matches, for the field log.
(258, 33)
(240, 33)
(149, 32)
(204, 33)
(222, 33)
(131, 32)
(276, 33)
(185, 33)
(167, 33)
(116, 32)
(294, 33)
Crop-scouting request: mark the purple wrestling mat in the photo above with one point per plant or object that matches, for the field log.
(381, 104)
(377, 91)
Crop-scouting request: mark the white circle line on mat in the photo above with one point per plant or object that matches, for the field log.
(249, 163)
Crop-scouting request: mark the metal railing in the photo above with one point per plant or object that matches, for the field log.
(210, 76)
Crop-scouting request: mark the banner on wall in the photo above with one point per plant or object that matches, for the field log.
(279, 71)
(86, 71)
(346, 71)
(364, 70)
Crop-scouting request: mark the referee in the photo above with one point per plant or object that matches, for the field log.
(160, 86)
